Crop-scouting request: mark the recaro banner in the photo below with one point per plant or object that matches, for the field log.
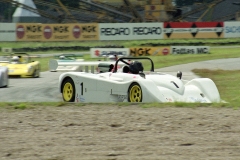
(231, 29)
(130, 31)
(193, 30)
(149, 51)
(7, 32)
(56, 32)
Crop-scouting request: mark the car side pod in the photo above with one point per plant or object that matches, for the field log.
(179, 74)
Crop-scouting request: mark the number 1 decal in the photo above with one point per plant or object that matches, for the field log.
(81, 88)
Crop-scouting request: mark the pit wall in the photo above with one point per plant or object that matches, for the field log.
(117, 31)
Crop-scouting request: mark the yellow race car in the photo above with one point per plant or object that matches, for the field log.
(21, 65)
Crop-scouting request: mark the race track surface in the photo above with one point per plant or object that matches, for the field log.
(131, 132)
(45, 88)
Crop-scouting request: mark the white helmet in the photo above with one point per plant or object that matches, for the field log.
(62, 57)
(15, 59)
(111, 58)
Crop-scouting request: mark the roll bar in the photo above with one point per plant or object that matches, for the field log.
(123, 59)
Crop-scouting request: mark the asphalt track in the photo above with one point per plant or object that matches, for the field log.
(45, 88)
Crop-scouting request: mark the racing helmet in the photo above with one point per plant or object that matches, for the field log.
(61, 57)
(135, 67)
(111, 58)
(15, 59)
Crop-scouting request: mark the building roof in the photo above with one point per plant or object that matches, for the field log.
(21, 12)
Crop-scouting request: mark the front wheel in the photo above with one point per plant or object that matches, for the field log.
(68, 90)
(135, 93)
(36, 74)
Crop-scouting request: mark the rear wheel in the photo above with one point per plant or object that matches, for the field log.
(68, 90)
(134, 93)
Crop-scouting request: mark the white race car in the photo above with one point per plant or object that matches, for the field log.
(3, 76)
(133, 84)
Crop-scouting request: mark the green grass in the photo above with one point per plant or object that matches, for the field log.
(125, 43)
(227, 83)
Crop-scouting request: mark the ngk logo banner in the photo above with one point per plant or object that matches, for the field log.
(190, 49)
(7, 31)
(149, 51)
(89, 31)
(231, 29)
(193, 30)
(70, 32)
(130, 31)
(29, 32)
(56, 32)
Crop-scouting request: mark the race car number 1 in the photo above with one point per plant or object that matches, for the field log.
(81, 86)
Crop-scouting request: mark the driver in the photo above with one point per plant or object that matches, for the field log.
(136, 67)
(15, 60)
(61, 57)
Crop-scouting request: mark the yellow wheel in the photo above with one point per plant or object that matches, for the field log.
(134, 93)
(68, 90)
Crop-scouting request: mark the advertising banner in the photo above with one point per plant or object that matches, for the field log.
(130, 31)
(231, 29)
(29, 32)
(149, 51)
(180, 30)
(105, 52)
(190, 49)
(70, 32)
(56, 32)
(7, 32)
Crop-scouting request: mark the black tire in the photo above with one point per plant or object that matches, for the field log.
(36, 74)
(68, 90)
(134, 93)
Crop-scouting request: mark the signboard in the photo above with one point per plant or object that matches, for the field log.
(105, 52)
(193, 30)
(231, 29)
(190, 49)
(149, 51)
(56, 32)
(70, 32)
(7, 32)
(89, 31)
(130, 31)
(29, 31)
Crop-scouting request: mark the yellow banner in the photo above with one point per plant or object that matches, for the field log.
(56, 32)
(89, 31)
(149, 51)
(71, 32)
(29, 32)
